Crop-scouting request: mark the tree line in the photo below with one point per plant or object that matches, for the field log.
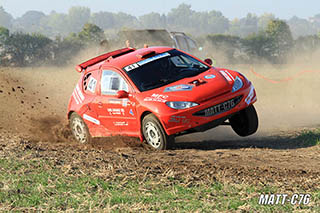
(273, 43)
(182, 18)
(33, 49)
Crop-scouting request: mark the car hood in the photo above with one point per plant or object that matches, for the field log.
(207, 85)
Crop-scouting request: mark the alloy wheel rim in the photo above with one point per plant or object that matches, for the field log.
(79, 130)
(153, 135)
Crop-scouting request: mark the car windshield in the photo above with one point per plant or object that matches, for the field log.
(164, 68)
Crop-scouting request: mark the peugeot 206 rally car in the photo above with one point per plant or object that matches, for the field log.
(158, 93)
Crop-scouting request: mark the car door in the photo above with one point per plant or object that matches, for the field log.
(118, 115)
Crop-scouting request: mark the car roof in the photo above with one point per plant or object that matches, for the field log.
(129, 58)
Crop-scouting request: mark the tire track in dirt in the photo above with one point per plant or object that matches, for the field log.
(189, 167)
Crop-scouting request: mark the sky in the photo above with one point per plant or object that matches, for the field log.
(284, 9)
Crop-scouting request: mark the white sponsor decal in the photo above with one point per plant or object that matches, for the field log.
(157, 98)
(125, 102)
(229, 75)
(131, 67)
(209, 76)
(77, 95)
(114, 101)
(225, 75)
(250, 95)
(120, 123)
(181, 87)
(115, 111)
(91, 119)
(75, 98)
(79, 92)
(92, 84)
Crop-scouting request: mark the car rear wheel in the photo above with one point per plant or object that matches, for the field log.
(79, 129)
(245, 122)
(154, 133)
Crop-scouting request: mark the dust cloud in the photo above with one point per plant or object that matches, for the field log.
(288, 98)
(34, 100)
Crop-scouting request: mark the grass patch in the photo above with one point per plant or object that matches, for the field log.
(38, 185)
(309, 137)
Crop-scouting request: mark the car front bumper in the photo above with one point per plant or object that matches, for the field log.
(210, 113)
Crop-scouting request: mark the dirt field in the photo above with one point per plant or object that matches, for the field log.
(33, 117)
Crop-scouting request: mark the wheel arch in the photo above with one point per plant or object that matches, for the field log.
(70, 113)
(144, 114)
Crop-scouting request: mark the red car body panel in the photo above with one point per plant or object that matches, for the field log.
(107, 115)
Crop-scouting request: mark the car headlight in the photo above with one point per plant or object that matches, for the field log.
(237, 84)
(180, 104)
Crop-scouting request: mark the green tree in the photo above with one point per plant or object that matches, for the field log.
(227, 45)
(245, 26)
(77, 18)
(26, 49)
(264, 20)
(183, 18)
(217, 23)
(91, 33)
(105, 20)
(180, 17)
(281, 39)
(4, 35)
(30, 21)
(124, 20)
(257, 46)
(301, 27)
(212, 22)
(153, 21)
(64, 48)
(306, 46)
(58, 24)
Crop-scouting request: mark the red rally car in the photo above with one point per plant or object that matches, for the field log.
(158, 93)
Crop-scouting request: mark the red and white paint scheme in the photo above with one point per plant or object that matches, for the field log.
(157, 93)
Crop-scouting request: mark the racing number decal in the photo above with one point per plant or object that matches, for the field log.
(131, 67)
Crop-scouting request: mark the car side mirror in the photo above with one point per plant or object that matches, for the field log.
(122, 94)
(208, 61)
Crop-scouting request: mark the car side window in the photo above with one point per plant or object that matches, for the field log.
(182, 43)
(112, 82)
(90, 82)
(191, 43)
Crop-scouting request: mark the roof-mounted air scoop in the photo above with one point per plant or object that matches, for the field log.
(146, 54)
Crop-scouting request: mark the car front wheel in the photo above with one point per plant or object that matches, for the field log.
(245, 122)
(154, 133)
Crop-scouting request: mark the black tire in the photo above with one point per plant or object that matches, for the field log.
(79, 129)
(154, 133)
(245, 122)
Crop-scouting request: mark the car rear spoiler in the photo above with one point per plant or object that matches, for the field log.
(93, 61)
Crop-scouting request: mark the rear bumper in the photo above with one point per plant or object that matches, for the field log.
(187, 121)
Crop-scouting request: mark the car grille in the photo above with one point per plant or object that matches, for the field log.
(220, 108)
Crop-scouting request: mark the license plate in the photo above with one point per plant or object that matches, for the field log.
(220, 108)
